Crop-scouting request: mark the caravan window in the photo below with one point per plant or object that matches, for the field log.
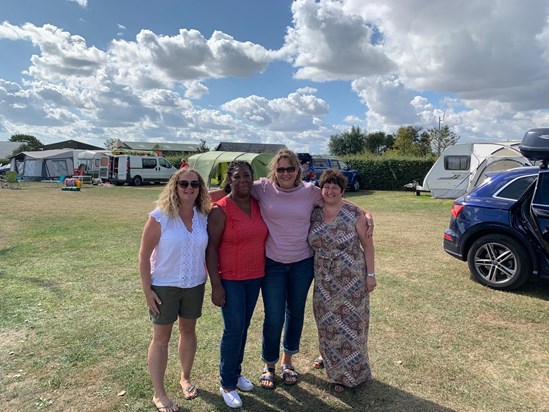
(149, 163)
(457, 162)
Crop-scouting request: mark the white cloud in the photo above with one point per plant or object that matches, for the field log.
(325, 43)
(481, 65)
(81, 3)
(296, 112)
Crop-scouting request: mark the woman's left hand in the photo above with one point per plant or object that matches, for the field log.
(371, 283)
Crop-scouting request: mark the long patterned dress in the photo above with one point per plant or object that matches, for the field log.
(341, 300)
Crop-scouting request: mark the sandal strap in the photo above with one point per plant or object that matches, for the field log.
(269, 370)
(290, 367)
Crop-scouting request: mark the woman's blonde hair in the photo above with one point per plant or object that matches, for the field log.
(168, 200)
(294, 161)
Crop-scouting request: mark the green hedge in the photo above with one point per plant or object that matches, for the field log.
(381, 173)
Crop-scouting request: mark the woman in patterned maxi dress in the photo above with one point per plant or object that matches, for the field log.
(344, 276)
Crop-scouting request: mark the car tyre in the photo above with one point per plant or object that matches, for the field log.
(137, 180)
(355, 186)
(499, 262)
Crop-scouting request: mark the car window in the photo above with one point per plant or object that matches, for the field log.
(515, 189)
(335, 164)
(542, 191)
(320, 162)
(149, 163)
(164, 163)
(343, 165)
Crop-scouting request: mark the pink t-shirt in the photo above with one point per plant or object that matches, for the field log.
(287, 214)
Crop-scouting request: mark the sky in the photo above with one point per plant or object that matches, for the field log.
(271, 71)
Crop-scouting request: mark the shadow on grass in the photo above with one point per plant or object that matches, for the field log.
(373, 396)
(535, 288)
(40, 282)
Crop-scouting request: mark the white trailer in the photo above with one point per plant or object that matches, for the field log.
(462, 167)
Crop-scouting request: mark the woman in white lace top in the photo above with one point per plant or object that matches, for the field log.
(173, 275)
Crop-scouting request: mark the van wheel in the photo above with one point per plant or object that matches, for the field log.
(137, 181)
(355, 186)
(499, 262)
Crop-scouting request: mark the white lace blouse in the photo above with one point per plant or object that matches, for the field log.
(179, 257)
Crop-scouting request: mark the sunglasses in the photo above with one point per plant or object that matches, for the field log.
(195, 184)
(281, 170)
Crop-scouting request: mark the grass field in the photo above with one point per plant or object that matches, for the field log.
(74, 329)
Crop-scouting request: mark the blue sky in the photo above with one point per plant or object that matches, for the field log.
(292, 72)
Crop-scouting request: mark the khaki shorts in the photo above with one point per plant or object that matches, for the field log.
(183, 302)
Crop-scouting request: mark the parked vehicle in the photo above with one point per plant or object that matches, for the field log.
(136, 170)
(501, 228)
(319, 164)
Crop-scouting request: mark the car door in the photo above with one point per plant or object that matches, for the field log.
(540, 206)
(165, 168)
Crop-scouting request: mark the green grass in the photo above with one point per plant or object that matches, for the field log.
(74, 329)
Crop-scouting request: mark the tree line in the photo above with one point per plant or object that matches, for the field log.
(407, 141)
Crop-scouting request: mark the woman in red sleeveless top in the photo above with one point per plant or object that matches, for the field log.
(235, 259)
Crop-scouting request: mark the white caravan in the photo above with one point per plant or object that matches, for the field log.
(139, 169)
(95, 163)
(461, 167)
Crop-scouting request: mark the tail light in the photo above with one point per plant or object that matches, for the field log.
(456, 210)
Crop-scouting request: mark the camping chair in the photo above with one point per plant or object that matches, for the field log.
(59, 181)
(11, 180)
(3, 182)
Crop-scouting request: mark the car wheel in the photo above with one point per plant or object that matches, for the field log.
(137, 181)
(499, 262)
(355, 186)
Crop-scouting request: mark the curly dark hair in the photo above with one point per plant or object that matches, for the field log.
(333, 176)
(232, 167)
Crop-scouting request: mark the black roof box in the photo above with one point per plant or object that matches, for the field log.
(535, 144)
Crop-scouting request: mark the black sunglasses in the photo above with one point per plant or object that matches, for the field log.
(185, 184)
(281, 170)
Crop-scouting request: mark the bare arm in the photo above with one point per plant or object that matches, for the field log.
(149, 240)
(216, 226)
(367, 243)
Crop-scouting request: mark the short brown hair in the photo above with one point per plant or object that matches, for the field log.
(333, 176)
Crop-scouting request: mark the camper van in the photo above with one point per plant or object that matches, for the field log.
(462, 167)
(136, 170)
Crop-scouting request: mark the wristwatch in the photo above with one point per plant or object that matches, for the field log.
(372, 275)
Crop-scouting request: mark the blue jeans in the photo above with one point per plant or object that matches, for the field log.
(284, 289)
(240, 299)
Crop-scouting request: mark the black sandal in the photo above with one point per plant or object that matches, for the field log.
(268, 375)
(287, 376)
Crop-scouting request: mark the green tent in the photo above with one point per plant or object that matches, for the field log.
(212, 166)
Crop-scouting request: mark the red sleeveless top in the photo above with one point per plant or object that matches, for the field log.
(242, 248)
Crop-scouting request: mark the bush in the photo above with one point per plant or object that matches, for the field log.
(390, 173)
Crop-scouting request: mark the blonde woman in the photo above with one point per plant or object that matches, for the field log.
(173, 276)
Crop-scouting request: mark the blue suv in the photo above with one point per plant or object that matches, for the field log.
(316, 165)
(501, 228)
